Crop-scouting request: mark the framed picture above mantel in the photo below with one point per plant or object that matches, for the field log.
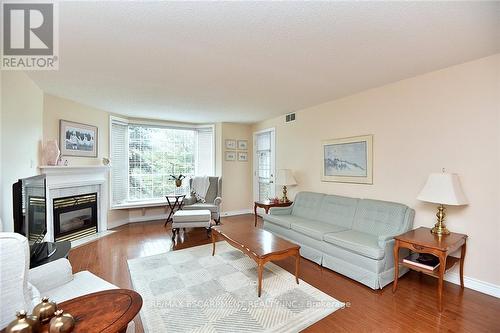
(348, 160)
(77, 139)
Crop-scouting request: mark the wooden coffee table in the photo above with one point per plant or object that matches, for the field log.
(260, 245)
(107, 311)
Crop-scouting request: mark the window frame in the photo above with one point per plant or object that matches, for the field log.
(160, 124)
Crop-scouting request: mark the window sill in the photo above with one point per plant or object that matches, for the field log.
(140, 204)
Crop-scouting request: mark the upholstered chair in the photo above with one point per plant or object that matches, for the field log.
(213, 199)
(21, 287)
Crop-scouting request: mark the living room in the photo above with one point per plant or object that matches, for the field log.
(252, 166)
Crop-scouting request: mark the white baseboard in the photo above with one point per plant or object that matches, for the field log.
(236, 212)
(146, 218)
(474, 284)
(136, 219)
(115, 224)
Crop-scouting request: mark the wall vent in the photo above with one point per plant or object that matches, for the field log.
(290, 117)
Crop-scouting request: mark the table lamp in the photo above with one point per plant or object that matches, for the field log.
(444, 189)
(285, 178)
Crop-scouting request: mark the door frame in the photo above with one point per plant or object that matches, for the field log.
(255, 161)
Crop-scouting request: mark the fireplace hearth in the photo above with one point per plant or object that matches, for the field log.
(75, 216)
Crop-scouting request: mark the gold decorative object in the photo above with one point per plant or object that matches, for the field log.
(439, 227)
(45, 310)
(23, 323)
(442, 188)
(61, 322)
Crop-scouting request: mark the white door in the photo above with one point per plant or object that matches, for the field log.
(264, 165)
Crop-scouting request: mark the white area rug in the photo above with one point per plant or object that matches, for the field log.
(190, 291)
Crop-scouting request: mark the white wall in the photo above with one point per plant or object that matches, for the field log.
(21, 134)
(444, 119)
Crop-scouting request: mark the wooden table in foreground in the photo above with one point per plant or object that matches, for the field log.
(268, 204)
(107, 311)
(260, 245)
(421, 240)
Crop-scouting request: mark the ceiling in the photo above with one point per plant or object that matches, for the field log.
(249, 61)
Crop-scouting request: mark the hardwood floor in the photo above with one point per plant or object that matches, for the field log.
(411, 309)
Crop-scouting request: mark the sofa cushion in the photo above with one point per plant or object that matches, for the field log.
(356, 241)
(284, 221)
(198, 215)
(315, 229)
(202, 206)
(379, 217)
(83, 283)
(338, 210)
(307, 205)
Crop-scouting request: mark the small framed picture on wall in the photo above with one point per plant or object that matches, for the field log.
(230, 156)
(242, 156)
(230, 144)
(77, 139)
(242, 144)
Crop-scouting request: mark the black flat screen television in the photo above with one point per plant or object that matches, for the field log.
(30, 213)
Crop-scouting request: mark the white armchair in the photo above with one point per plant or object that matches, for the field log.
(21, 287)
(212, 202)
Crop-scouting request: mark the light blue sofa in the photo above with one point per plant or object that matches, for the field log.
(353, 237)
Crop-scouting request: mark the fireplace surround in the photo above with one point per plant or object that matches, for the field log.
(75, 181)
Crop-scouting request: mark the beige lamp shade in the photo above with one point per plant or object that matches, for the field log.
(285, 177)
(443, 188)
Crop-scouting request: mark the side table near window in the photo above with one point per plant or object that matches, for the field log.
(421, 240)
(175, 203)
(268, 204)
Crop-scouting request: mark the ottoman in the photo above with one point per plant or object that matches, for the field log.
(191, 219)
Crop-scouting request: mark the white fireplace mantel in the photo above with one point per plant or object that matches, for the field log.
(74, 180)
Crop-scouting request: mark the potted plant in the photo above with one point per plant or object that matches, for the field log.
(178, 179)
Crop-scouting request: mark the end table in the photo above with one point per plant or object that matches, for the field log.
(268, 204)
(421, 240)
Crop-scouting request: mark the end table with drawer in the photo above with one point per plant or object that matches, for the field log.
(421, 240)
(268, 204)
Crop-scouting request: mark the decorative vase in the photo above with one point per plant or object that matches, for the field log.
(51, 152)
(23, 323)
(45, 310)
(178, 182)
(61, 322)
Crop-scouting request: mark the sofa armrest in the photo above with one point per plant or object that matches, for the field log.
(281, 210)
(384, 239)
(51, 275)
(218, 201)
(189, 201)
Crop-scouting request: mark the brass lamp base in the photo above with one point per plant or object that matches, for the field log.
(284, 198)
(440, 228)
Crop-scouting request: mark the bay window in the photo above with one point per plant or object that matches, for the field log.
(144, 157)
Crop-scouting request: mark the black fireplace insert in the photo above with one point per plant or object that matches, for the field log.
(75, 216)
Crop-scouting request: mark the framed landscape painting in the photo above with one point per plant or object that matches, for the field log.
(77, 139)
(348, 160)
